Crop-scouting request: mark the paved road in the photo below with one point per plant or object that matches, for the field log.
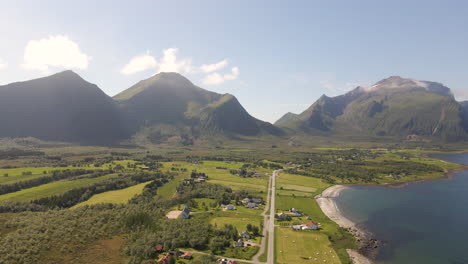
(265, 225)
(268, 227)
(271, 220)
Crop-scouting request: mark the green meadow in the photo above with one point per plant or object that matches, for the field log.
(49, 189)
(117, 196)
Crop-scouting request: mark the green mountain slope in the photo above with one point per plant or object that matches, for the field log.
(61, 107)
(392, 107)
(172, 105)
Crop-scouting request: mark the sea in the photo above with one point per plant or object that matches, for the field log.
(423, 222)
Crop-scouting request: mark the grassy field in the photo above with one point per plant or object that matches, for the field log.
(53, 188)
(117, 196)
(329, 229)
(256, 186)
(239, 220)
(303, 247)
(16, 174)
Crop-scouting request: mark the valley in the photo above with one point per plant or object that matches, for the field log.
(120, 200)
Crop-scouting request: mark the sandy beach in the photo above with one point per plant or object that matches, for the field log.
(330, 209)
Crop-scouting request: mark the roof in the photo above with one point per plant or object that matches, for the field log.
(159, 247)
(187, 254)
(311, 223)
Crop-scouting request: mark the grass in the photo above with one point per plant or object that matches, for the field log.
(256, 186)
(16, 174)
(293, 246)
(117, 196)
(330, 234)
(238, 220)
(264, 256)
(241, 252)
(50, 189)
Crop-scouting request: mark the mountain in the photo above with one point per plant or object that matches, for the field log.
(168, 104)
(61, 107)
(395, 106)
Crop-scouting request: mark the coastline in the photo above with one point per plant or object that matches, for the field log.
(330, 209)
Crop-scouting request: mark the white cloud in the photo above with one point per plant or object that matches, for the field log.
(213, 79)
(56, 51)
(138, 64)
(169, 62)
(3, 64)
(207, 68)
(216, 78)
(233, 75)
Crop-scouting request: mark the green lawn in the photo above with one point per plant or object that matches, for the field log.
(15, 174)
(329, 231)
(239, 220)
(117, 196)
(303, 247)
(49, 189)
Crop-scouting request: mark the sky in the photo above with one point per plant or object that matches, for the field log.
(274, 56)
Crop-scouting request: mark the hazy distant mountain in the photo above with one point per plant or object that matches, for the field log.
(61, 107)
(170, 104)
(392, 107)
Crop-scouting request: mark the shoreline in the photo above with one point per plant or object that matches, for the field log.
(331, 210)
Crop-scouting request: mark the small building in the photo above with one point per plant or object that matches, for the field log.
(296, 214)
(187, 255)
(164, 260)
(239, 243)
(159, 248)
(311, 225)
(230, 207)
(221, 168)
(292, 210)
(257, 200)
(245, 234)
(257, 175)
(246, 200)
(185, 212)
(283, 216)
(145, 168)
(251, 205)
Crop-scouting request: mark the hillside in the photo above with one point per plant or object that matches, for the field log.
(394, 107)
(61, 107)
(168, 104)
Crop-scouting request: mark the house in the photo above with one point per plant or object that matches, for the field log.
(251, 205)
(239, 243)
(164, 260)
(284, 217)
(257, 175)
(201, 179)
(246, 200)
(145, 168)
(292, 210)
(233, 262)
(297, 227)
(230, 207)
(311, 225)
(257, 200)
(159, 248)
(245, 235)
(297, 214)
(221, 168)
(187, 255)
(185, 212)
(188, 180)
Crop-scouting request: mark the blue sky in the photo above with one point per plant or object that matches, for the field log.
(275, 56)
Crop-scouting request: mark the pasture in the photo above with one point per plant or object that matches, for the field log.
(116, 196)
(49, 189)
(303, 247)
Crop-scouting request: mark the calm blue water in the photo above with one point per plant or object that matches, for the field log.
(424, 222)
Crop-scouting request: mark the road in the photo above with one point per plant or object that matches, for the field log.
(268, 223)
(268, 227)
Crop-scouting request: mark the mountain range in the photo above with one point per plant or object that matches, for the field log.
(168, 107)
